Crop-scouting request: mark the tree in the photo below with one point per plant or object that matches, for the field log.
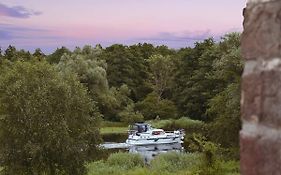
(129, 115)
(55, 57)
(115, 101)
(192, 88)
(125, 66)
(38, 54)
(152, 107)
(1, 52)
(12, 54)
(48, 123)
(91, 71)
(224, 108)
(162, 68)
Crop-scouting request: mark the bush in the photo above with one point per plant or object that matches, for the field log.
(129, 115)
(190, 126)
(48, 123)
(152, 107)
(173, 162)
(101, 168)
(125, 160)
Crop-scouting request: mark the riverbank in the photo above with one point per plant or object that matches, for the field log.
(114, 130)
(171, 163)
(171, 124)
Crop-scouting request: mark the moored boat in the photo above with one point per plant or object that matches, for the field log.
(144, 134)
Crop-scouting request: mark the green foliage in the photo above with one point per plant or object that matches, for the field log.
(128, 164)
(127, 67)
(162, 68)
(119, 98)
(89, 68)
(12, 54)
(129, 116)
(106, 123)
(92, 71)
(190, 126)
(129, 84)
(192, 89)
(38, 54)
(55, 57)
(226, 126)
(173, 162)
(125, 160)
(224, 107)
(153, 107)
(114, 130)
(49, 125)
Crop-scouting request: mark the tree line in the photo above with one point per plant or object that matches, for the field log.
(69, 92)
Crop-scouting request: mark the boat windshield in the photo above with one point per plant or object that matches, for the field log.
(140, 127)
(158, 132)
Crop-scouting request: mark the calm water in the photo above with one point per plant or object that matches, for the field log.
(116, 142)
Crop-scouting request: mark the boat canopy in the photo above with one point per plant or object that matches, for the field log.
(140, 127)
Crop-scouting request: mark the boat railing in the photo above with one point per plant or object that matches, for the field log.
(181, 131)
(132, 131)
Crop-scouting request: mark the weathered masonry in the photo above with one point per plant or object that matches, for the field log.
(260, 137)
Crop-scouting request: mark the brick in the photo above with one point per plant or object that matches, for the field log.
(260, 153)
(262, 97)
(262, 30)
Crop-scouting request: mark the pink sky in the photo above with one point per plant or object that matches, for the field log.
(49, 24)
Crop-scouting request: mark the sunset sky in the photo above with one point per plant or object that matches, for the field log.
(49, 24)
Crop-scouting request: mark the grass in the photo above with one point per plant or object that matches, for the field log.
(113, 130)
(171, 163)
(108, 127)
(171, 124)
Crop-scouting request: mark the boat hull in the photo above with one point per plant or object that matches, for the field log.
(153, 141)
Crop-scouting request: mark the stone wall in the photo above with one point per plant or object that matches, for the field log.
(260, 137)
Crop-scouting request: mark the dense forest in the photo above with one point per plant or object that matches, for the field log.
(52, 105)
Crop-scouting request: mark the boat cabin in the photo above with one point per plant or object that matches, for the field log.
(140, 127)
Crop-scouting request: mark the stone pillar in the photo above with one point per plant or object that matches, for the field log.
(260, 137)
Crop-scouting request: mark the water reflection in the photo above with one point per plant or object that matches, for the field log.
(150, 151)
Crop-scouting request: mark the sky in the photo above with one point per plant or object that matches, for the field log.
(49, 24)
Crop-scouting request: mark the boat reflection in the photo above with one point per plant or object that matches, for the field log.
(148, 152)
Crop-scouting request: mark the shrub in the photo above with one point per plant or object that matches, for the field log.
(125, 160)
(190, 126)
(102, 168)
(173, 162)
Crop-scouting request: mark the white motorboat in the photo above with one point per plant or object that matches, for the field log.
(144, 134)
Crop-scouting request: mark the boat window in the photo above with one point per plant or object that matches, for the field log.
(142, 128)
(156, 132)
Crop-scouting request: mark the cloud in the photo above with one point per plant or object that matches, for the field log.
(17, 11)
(178, 40)
(179, 37)
(26, 37)
(9, 32)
